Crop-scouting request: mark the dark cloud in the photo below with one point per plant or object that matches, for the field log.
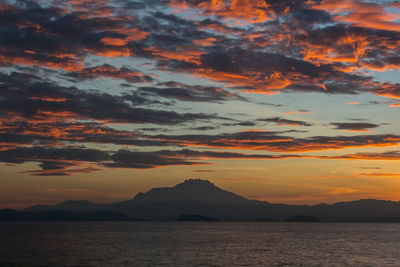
(109, 71)
(285, 122)
(55, 161)
(270, 104)
(194, 93)
(204, 128)
(240, 123)
(354, 126)
(48, 156)
(145, 160)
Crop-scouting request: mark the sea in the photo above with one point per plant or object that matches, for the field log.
(199, 244)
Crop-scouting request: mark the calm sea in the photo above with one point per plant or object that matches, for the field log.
(199, 244)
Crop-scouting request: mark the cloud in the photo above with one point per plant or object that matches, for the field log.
(32, 98)
(361, 13)
(275, 142)
(193, 93)
(250, 11)
(389, 155)
(380, 174)
(285, 122)
(354, 126)
(61, 38)
(49, 155)
(55, 161)
(261, 60)
(70, 160)
(109, 71)
(54, 53)
(145, 160)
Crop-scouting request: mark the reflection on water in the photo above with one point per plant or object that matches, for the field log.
(198, 244)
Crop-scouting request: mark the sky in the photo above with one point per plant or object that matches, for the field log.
(283, 101)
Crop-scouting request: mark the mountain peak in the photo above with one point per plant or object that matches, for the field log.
(196, 183)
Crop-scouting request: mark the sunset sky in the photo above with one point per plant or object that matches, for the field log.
(283, 101)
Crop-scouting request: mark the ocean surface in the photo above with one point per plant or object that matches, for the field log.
(199, 244)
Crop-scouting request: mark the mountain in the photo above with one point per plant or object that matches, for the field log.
(69, 205)
(62, 215)
(190, 191)
(195, 196)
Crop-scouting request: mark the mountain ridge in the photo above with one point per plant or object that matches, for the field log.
(196, 196)
(62, 215)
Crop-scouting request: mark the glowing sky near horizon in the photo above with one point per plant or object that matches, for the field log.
(284, 101)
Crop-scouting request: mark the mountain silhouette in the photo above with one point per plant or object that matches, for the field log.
(190, 191)
(196, 196)
(70, 205)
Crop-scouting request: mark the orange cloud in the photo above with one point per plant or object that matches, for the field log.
(388, 90)
(391, 155)
(395, 105)
(247, 10)
(361, 14)
(131, 34)
(187, 54)
(48, 99)
(205, 42)
(381, 174)
(338, 53)
(113, 41)
(278, 144)
(65, 62)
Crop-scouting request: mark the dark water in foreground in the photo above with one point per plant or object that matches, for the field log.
(198, 244)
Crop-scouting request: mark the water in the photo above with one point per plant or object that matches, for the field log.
(198, 244)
